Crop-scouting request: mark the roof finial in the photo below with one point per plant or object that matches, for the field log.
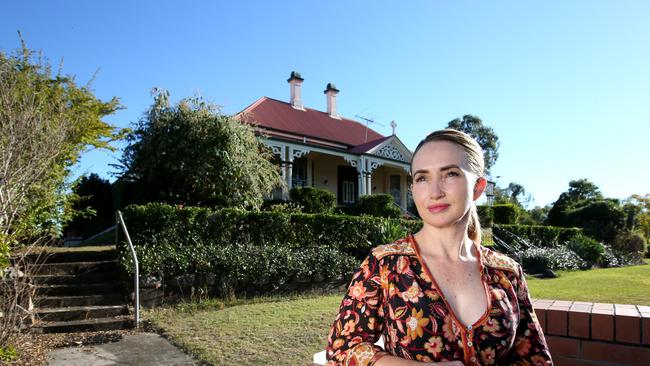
(393, 125)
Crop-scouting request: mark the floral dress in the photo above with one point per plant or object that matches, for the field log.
(394, 295)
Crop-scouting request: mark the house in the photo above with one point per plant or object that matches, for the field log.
(326, 150)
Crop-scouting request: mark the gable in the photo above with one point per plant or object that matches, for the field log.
(393, 149)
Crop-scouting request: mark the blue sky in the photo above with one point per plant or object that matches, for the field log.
(565, 84)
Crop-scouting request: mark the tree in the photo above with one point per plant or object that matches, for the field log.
(95, 200)
(583, 206)
(192, 154)
(579, 190)
(514, 194)
(516, 190)
(637, 209)
(484, 135)
(583, 189)
(602, 219)
(46, 122)
(538, 215)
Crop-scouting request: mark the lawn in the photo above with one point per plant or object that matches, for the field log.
(288, 331)
(626, 285)
(270, 332)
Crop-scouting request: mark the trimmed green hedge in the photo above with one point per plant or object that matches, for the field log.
(175, 241)
(245, 249)
(541, 236)
(486, 215)
(379, 205)
(505, 214)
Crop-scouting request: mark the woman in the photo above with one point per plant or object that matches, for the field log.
(438, 296)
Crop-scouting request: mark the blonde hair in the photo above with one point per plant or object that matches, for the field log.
(475, 162)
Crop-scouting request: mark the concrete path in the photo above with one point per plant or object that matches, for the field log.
(139, 349)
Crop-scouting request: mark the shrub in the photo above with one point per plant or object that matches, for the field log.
(175, 240)
(4, 255)
(379, 205)
(313, 200)
(537, 235)
(281, 207)
(588, 249)
(505, 214)
(630, 242)
(248, 268)
(391, 230)
(348, 210)
(538, 260)
(486, 215)
(609, 258)
(600, 219)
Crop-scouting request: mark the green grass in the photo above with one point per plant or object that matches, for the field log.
(280, 332)
(626, 285)
(288, 331)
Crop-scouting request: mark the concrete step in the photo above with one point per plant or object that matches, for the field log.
(119, 322)
(76, 279)
(78, 289)
(116, 298)
(73, 268)
(80, 312)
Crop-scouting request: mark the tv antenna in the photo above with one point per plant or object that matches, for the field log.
(368, 122)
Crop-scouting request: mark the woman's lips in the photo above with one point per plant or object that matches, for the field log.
(437, 208)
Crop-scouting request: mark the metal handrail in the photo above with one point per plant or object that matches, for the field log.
(136, 275)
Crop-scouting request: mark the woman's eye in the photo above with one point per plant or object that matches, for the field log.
(452, 174)
(419, 179)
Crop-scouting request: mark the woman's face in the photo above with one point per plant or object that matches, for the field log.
(443, 187)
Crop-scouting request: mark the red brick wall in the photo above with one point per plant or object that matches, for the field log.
(593, 334)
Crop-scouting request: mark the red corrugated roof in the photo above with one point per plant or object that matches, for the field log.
(368, 145)
(281, 116)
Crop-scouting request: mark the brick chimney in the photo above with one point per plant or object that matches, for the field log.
(295, 80)
(331, 93)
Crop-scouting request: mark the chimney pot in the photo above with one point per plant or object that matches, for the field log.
(331, 93)
(295, 80)
(295, 75)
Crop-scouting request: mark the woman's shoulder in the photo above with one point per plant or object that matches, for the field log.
(399, 247)
(498, 260)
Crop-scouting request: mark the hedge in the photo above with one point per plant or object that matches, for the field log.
(175, 240)
(380, 205)
(313, 200)
(537, 235)
(486, 215)
(243, 248)
(505, 214)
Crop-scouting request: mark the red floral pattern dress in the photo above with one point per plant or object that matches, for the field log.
(394, 295)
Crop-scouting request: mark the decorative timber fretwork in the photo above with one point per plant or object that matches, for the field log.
(391, 152)
(277, 150)
(373, 165)
(297, 153)
(352, 162)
